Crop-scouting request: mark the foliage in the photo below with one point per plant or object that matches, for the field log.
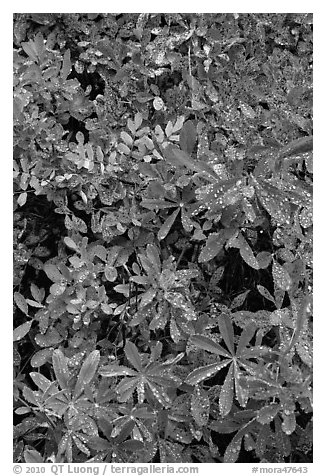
(162, 237)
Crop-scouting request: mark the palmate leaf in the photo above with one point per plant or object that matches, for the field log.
(21, 303)
(241, 392)
(126, 388)
(245, 251)
(281, 438)
(274, 201)
(33, 456)
(205, 372)
(296, 147)
(239, 300)
(289, 423)
(41, 357)
(60, 366)
(199, 406)
(246, 335)
(147, 297)
(87, 372)
(263, 436)
(169, 452)
(233, 450)
(115, 370)
(166, 227)
(52, 272)
(212, 196)
(122, 429)
(133, 356)
(214, 244)
(208, 344)
(22, 330)
(267, 413)
(188, 137)
(66, 65)
(178, 157)
(156, 204)
(154, 257)
(186, 221)
(265, 293)
(281, 277)
(42, 382)
(160, 394)
(226, 395)
(226, 330)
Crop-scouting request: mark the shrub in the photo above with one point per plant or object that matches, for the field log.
(162, 237)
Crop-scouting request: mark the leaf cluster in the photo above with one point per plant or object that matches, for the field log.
(162, 237)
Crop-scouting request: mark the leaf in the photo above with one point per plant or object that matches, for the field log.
(123, 289)
(21, 302)
(177, 157)
(246, 335)
(79, 224)
(205, 372)
(281, 277)
(178, 124)
(33, 303)
(168, 129)
(155, 204)
(199, 406)
(165, 228)
(132, 445)
(29, 49)
(261, 441)
(209, 345)
(158, 103)
(265, 293)
(133, 356)
(226, 395)
(148, 297)
(154, 256)
(241, 392)
(267, 413)
(21, 331)
(60, 367)
(21, 200)
(246, 252)
(87, 372)
(226, 330)
(42, 382)
(33, 456)
(138, 120)
(50, 338)
(188, 137)
(297, 146)
(232, 451)
(57, 289)
(239, 300)
(70, 243)
(37, 293)
(159, 393)
(289, 423)
(213, 246)
(127, 139)
(41, 357)
(126, 388)
(66, 65)
(264, 259)
(52, 272)
(115, 370)
(111, 273)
